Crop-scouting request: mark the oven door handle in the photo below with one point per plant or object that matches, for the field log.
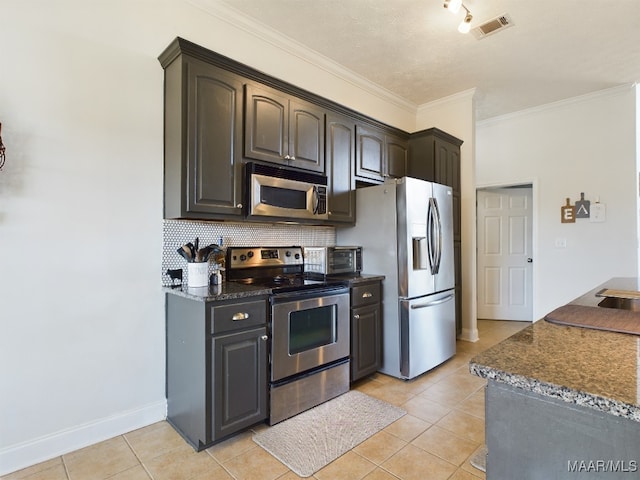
(297, 295)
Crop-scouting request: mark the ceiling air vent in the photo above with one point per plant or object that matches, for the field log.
(492, 26)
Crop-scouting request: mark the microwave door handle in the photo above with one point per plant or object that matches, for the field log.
(316, 199)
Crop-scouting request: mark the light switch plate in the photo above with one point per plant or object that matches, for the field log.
(598, 212)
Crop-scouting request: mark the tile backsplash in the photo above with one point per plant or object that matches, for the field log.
(176, 233)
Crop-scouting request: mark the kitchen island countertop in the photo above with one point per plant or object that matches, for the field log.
(591, 368)
(234, 290)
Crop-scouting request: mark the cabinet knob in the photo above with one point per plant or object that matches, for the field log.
(356, 316)
(292, 157)
(239, 205)
(287, 157)
(240, 316)
(264, 337)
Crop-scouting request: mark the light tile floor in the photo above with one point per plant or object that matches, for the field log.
(443, 427)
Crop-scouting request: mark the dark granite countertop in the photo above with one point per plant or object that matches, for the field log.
(233, 290)
(592, 368)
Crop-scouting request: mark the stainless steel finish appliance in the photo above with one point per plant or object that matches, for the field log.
(285, 193)
(405, 227)
(308, 328)
(332, 260)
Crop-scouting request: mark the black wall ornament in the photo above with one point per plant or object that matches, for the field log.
(2, 149)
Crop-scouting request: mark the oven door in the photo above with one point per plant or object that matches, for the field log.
(308, 330)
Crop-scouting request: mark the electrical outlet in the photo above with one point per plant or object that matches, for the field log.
(561, 243)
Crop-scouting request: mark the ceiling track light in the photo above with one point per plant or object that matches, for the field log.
(454, 6)
(465, 25)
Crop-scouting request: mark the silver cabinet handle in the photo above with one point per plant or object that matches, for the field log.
(356, 316)
(287, 157)
(367, 295)
(292, 157)
(264, 337)
(239, 205)
(240, 316)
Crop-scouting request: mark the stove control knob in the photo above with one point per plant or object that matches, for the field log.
(288, 254)
(243, 257)
(297, 256)
(250, 254)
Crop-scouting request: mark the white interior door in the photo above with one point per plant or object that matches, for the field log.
(505, 268)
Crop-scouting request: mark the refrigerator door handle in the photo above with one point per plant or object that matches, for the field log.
(430, 245)
(434, 233)
(438, 221)
(433, 303)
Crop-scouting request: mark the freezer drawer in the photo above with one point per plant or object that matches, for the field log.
(427, 332)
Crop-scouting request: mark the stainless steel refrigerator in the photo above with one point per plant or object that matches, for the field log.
(405, 227)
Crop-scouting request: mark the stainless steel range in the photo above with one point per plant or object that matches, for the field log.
(309, 328)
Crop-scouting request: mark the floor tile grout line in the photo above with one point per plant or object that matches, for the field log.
(144, 467)
(64, 465)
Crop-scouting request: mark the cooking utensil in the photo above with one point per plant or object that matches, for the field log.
(195, 244)
(213, 248)
(185, 252)
(192, 250)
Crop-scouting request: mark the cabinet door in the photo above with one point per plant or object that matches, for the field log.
(340, 165)
(366, 341)
(203, 141)
(369, 153)
(265, 123)
(214, 140)
(397, 151)
(306, 136)
(239, 381)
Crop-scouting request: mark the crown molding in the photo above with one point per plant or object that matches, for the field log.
(464, 95)
(233, 17)
(607, 92)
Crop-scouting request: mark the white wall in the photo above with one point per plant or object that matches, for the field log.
(455, 115)
(81, 308)
(586, 144)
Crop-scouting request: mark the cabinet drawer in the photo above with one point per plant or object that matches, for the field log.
(365, 294)
(237, 316)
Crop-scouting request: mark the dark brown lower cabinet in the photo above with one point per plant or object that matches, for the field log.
(366, 329)
(216, 367)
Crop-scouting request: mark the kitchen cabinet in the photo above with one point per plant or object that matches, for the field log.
(283, 129)
(217, 367)
(340, 166)
(434, 155)
(366, 329)
(202, 140)
(379, 154)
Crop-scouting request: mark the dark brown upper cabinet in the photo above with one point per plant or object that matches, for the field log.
(283, 129)
(203, 140)
(340, 165)
(379, 155)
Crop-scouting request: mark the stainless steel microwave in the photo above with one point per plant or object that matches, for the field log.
(332, 260)
(285, 193)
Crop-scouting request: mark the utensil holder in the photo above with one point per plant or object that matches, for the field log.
(198, 274)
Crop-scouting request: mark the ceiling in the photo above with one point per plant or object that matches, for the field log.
(556, 49)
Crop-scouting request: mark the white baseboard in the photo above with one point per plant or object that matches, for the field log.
(25, 454)
(469, 335)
